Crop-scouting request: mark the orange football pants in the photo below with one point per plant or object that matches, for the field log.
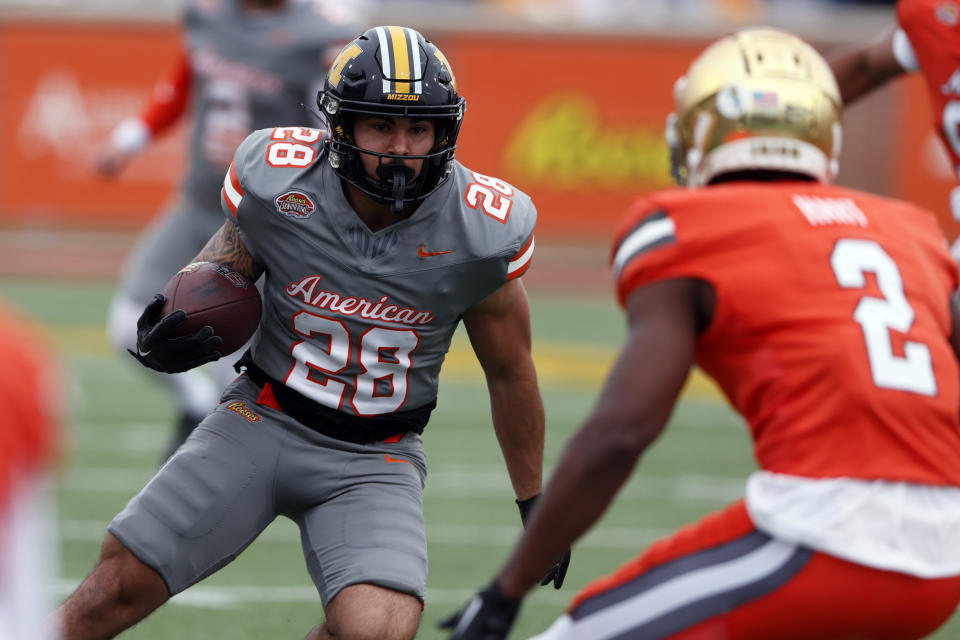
(721, 579)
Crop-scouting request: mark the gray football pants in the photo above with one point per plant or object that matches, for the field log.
(359, 506)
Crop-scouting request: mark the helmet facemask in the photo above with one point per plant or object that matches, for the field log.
(367, 79)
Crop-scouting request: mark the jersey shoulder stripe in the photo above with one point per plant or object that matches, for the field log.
(232, 191)
(654, 230)
(267, 158)
(497, 217)
(519, 264)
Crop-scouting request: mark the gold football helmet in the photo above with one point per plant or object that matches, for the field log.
(760, 99)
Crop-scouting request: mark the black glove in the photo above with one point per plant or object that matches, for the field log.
(488, 616)
(559, 570)
(160, 351)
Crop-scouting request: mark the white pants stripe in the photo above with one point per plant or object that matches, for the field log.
(677, 592)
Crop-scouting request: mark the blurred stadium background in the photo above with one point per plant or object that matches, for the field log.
(566, 99)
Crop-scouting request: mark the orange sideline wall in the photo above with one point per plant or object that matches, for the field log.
(65, 86)
(576, 121)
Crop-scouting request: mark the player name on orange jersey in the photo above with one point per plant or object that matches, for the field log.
(820, 211)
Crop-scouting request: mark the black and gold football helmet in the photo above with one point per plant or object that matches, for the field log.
(395, 72)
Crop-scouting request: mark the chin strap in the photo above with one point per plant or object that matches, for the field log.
(397, 176)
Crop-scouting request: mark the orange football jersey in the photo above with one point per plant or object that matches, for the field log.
(29, 398)
(830, 332)
(933, 27)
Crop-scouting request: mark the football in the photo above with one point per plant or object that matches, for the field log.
(213, 295)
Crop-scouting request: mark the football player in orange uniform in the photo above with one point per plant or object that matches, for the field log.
(826, 317)
(926, 39)
(28, 427)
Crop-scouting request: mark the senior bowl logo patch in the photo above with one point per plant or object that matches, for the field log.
(295, 204)
(237, 406)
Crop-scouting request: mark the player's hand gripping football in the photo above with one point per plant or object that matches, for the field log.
(160, 350)
(559, 570)
(488, 616)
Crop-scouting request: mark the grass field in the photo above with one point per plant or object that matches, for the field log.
(119, 425)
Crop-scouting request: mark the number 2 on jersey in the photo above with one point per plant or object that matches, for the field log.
(851, 260)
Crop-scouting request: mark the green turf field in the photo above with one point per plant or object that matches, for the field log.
(119, 425)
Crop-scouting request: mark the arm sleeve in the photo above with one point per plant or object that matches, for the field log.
(646, 228)
(168, 99)
(167, 103)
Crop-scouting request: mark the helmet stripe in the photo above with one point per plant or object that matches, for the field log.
(401, 60)
(415, 59)
(384, 59)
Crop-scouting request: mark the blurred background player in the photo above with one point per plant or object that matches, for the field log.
(926, 39)
(826, 317)
(29, 424)
(389, 244)
(245, 64)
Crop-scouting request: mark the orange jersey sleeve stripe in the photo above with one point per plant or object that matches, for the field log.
(232, 191)
(521, 262)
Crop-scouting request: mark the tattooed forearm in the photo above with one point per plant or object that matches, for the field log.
(226, 248)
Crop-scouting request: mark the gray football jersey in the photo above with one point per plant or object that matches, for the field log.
(361, 321)
(251, 70)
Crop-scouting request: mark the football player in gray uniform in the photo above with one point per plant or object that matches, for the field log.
(234, 78)
(374, 243)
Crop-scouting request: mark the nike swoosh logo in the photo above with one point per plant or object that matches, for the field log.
(423, 253)
(387, 457)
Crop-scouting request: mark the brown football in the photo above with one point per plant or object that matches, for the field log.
(213, 295)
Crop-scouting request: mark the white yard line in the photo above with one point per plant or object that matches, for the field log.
(446, 484)
(128, 438)
(210, 597)
(502, 536)
(110, 480)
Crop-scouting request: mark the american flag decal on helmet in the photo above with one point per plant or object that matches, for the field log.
(400, 61)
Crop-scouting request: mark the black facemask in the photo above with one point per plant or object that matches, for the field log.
(397, 176)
